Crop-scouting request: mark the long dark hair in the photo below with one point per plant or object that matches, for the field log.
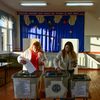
(71, 50)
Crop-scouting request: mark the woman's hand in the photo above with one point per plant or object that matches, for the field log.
(23, 61)
(73, 63)
(58, 69)
(41, 63)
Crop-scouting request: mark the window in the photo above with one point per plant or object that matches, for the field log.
(6, 27)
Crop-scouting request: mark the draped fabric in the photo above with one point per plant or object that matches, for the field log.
(50, 29)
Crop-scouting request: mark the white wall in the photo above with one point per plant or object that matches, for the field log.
(92, 30)
(7, 9)
(92, 25)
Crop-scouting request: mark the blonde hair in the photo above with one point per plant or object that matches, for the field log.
(37, 45)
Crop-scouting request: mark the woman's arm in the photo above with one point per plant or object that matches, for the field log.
(22, 58)
(42, 58)
(56, 61)
(74, 63)
(74, 60)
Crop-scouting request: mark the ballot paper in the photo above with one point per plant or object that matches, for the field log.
(29, 66)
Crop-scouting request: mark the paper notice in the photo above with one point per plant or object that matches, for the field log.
(29, 66)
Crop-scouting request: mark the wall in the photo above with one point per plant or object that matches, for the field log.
(92, 25)
(17, 48)
(7, 9)
(92, 30)
(92, 43)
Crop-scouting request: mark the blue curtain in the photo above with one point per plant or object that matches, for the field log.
(50, 32)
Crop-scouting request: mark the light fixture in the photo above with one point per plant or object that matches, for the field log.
(79, 3)
(33, 3)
